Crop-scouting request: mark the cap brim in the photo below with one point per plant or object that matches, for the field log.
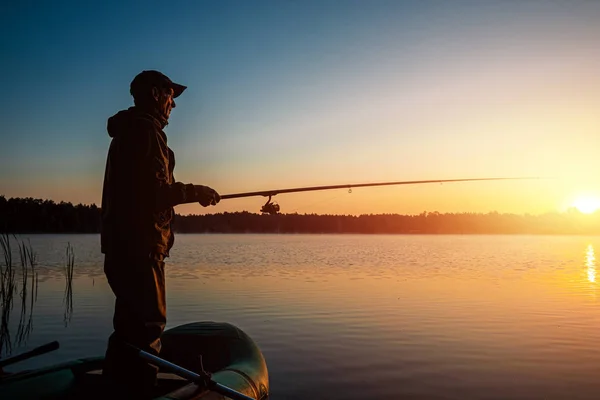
(177, 89)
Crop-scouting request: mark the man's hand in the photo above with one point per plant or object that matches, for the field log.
(207, 196)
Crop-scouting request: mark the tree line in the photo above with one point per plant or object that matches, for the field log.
(28, 215)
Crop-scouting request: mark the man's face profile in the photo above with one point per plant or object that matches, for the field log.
(164, 100)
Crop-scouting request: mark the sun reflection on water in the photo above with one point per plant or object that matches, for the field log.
(590, 263)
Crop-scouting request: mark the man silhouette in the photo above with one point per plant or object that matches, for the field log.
(138, 197)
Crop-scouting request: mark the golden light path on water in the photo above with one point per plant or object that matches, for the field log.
(591, 264)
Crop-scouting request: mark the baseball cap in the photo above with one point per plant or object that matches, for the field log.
(149, 78)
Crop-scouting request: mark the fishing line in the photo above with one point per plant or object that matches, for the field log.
(321, 201)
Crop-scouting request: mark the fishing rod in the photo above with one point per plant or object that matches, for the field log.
(273, 208)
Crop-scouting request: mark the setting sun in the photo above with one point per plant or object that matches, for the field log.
(587, 205)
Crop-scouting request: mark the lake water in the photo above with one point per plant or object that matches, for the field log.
(361, 316)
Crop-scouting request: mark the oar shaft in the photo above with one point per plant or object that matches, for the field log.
(192, 376)
(35, 352)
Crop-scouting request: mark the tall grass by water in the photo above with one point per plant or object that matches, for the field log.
(19, 283)
(68, 297)
(11, 287)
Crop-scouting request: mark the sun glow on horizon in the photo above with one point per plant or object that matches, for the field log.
(587, 204)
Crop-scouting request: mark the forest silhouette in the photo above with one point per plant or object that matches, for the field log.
(28, 215)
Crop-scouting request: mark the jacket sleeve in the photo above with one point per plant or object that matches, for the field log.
(154, 171)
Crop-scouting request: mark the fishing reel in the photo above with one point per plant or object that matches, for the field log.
(270, 207)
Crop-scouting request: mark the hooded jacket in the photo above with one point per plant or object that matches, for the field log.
(139, 190)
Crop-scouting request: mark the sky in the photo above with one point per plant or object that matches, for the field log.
(283, 94)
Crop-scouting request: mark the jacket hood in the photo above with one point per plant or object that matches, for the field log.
(123, 121)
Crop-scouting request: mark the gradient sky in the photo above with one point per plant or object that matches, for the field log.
(284, 94)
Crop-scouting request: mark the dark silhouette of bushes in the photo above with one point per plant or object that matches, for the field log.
(27, 215)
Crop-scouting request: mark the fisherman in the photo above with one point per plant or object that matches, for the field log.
(138, 197)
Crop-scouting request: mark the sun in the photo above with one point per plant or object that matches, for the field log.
(587, 204)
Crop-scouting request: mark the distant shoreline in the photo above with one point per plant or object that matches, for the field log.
(36, 216)
(179, 234)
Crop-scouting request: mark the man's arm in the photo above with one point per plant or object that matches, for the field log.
(155, 171)
(204, 195)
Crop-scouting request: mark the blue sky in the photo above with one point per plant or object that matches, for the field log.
(283, 94)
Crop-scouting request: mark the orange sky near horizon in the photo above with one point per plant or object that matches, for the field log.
(518, 196)
(570, 163)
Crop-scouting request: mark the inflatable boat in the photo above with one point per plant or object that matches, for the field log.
(233, 361)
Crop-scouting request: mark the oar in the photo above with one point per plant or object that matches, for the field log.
(46, 348)
(192, 376)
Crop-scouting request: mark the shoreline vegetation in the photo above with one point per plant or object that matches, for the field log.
(19, 280)
(14, 281)
(28, 215)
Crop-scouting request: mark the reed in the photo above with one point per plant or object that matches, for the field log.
(26, 288)
(9, 289)
(68, 297)
(28, 273)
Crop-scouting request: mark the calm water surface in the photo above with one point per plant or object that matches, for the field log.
(360, 317)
